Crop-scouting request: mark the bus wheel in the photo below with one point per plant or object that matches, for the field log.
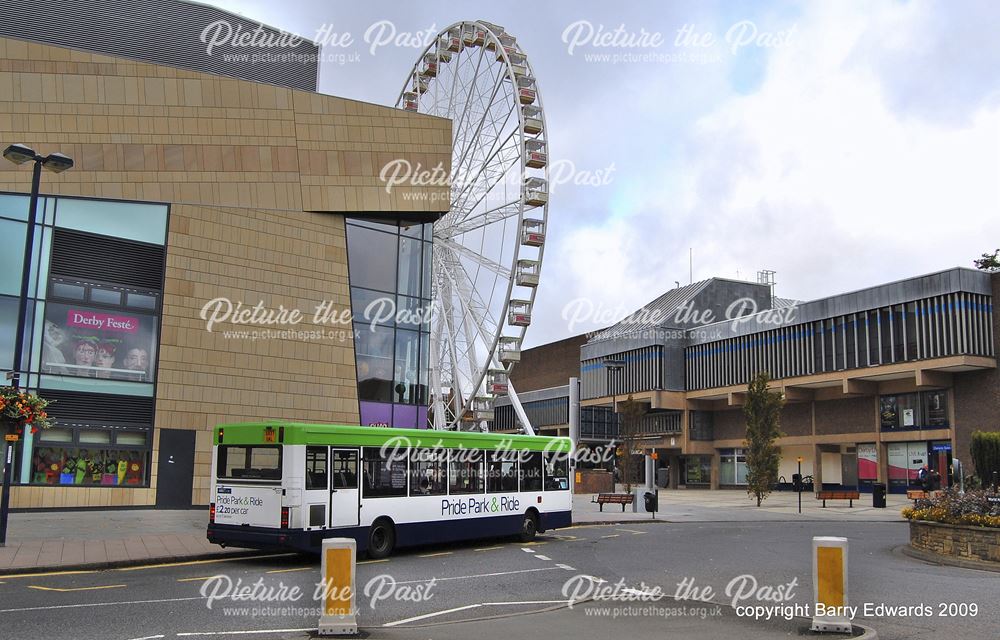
(381, 539)
(529, 527)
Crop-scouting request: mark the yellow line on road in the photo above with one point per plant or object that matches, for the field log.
(373, 561)
(66, 590)
(194, 562)
(434, 555)
(291, 570)
(42, 575)
(194, 579)
(533, 544)
(489, 548)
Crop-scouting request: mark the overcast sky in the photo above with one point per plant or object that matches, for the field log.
(850, 144)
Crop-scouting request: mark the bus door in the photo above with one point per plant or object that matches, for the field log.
(344, 494)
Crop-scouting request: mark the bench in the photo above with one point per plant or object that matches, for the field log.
(614, 498)
(915, 494)
(838, 495)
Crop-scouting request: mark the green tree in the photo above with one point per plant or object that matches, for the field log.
(989, 262)
(631, 413)
(763, 415)
(985, 453)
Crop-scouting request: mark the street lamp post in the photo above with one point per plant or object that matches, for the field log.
(57, 163)
(616, 366)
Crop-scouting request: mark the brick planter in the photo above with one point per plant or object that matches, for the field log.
(978, 544)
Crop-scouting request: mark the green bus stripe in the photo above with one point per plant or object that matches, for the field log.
(250, 433)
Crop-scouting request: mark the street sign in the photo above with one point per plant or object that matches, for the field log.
(993, 498)
(12, 437)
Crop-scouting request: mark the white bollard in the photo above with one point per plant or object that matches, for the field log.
(339, 563)
(830, 585)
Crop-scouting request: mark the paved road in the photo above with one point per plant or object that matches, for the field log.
(501, 577)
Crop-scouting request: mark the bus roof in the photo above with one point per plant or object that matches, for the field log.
(248, 433)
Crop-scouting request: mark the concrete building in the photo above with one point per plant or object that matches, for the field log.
(195, 186)
(877, 382)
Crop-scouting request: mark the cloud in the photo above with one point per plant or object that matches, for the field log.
(829, 172)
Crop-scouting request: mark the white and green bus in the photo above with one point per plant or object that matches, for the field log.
(290, 486)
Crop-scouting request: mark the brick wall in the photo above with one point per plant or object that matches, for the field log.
(850, 415)
(730, 424)
(550, 365)
(967, 543)
(796, 419)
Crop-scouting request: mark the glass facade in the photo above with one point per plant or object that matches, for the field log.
(390, 278)
(91, 334)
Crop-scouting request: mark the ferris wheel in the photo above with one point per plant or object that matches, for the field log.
(487, 249)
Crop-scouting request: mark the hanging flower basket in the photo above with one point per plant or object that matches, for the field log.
(20, 410)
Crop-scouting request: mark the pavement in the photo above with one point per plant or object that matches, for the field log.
(48, 541)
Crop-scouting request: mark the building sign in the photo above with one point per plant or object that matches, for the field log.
(908, 420)
(897, 464)
(93, 343)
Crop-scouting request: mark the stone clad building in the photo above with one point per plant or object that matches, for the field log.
(188, 187)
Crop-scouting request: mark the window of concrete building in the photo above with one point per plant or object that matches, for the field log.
(702, 426)
(732, 466)
(131, 220)
(697, 469)
(908, 411)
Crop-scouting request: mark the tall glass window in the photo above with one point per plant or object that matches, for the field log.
(389, 264)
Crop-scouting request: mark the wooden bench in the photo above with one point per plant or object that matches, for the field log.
(838, 495)
(614, 498)
(915, 494)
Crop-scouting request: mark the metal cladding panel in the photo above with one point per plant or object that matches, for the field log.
(92, 257)
(165, 32)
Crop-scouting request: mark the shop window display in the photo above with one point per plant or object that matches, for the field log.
(91, 467)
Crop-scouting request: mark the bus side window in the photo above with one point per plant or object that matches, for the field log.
(345, 469)
(556, 471)
(316, 467)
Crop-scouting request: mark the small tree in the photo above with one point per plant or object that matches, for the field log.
(763, 414)
(989, 262)
(985, 453)
(631, 413)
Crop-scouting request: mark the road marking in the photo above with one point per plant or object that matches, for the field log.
(634, 532)
(489, 548)
(373, 561)
(66, 590)
(541, 557)
(527, 550)
(291, 570)
(593, 579)
(98, 604)
(566, 567)
(193, 562)
(434, 555)
(534, 544)
(613, 535)
(195, 579)
(471, 606)
(431, 615)
(482, 575)
(42, 575)
(150, 637)
(241, 633)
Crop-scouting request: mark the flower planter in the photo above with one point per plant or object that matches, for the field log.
(964, 542)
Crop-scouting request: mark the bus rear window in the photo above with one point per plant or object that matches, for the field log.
(238, 462)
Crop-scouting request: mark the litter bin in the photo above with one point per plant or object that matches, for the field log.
(651, 502)
(878, 495)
